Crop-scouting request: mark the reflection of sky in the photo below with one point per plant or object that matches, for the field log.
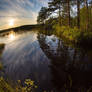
(23, 58)
(52, 42)
(22, 11)
(12, 36)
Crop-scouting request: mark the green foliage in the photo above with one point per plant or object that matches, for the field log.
(66, 15)
(7, 87)
(73, 34)
(70, 33)
(49, 23)
(4, 86)
(43, 15)
(29, 86)
(83, 17)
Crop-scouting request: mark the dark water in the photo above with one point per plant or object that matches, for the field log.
(46, 59)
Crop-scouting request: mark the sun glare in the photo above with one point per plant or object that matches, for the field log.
(12, 35)
(11, 22)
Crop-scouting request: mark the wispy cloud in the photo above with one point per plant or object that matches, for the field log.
(23, 11)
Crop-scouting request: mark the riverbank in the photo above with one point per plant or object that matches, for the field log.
(45, 49)
(74, 35)
(70, 35)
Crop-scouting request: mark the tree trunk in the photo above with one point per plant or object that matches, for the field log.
(68, 11)
(59, 16)
(87, 14)
(78, 13)
(90, 13)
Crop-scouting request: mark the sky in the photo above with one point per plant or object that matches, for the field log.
(19, 12)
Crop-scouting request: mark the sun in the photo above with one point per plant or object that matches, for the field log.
(11, 22)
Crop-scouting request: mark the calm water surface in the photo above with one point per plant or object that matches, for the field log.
(46, 59)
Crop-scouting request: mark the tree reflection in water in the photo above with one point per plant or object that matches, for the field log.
(1, 48)
(1, 51)
(71, 68)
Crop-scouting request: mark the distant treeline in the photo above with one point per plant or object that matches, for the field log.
(25, 27)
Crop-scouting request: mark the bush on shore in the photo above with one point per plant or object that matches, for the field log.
(73, 34)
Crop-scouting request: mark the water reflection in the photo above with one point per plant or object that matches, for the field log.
(12, 35)
(47, 60)
(67, 64)
(8, 37)
(1, 48)
(23, 58)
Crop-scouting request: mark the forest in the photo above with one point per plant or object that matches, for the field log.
(71, 19)
(48, 52)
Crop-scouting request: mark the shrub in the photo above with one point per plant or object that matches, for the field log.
(70, 33)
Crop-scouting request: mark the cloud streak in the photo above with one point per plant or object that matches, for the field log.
(23, 11)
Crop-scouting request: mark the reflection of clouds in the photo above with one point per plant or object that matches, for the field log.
(24, 58)
(52, 42)
(23, 11)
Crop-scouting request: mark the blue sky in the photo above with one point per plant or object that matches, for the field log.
(20, 12)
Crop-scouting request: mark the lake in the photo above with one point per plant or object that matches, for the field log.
(53, 64)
